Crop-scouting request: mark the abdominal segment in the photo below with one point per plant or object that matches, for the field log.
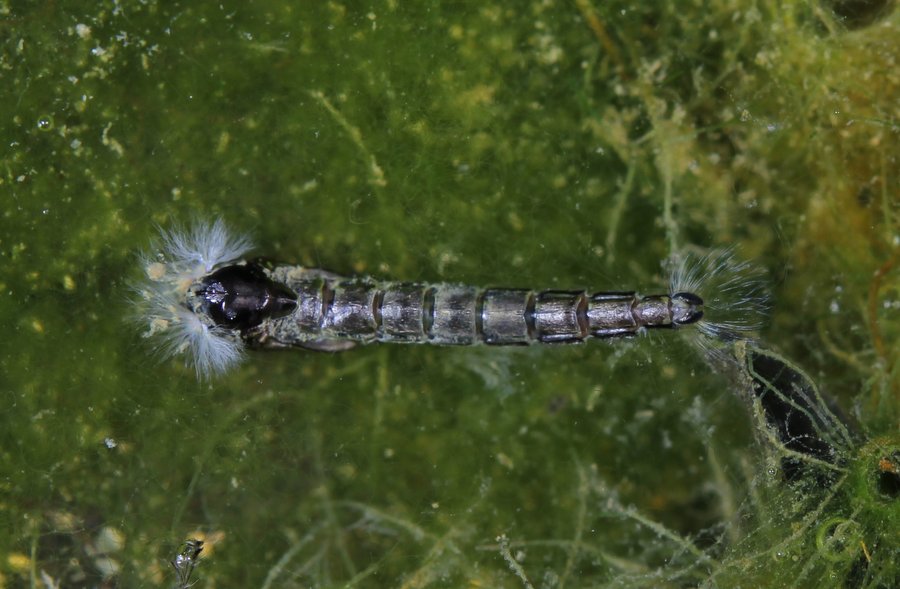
(333, 313)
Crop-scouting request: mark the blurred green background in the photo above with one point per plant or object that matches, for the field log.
(545, 144)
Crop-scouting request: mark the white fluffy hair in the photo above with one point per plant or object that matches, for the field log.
(180, 258)
(735, 293)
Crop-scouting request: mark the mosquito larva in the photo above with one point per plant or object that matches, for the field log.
(286, 306)
(203, 299)
(185, 562)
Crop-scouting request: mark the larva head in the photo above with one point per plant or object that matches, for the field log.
(166, 306)
(687, 308)
(242, 296)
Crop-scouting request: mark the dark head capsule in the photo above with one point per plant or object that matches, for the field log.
(242, 296)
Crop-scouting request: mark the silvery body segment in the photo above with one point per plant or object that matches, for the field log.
(285, 306)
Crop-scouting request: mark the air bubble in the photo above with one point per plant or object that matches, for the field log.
(45, 123)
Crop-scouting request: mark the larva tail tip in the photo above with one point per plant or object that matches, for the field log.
(735, 292)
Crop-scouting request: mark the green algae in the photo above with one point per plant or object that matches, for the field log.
(539, 144)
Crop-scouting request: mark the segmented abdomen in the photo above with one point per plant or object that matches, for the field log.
(332, 309)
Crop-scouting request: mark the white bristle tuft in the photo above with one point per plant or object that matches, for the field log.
(182, 257)
(735, 293)
(196, 251)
